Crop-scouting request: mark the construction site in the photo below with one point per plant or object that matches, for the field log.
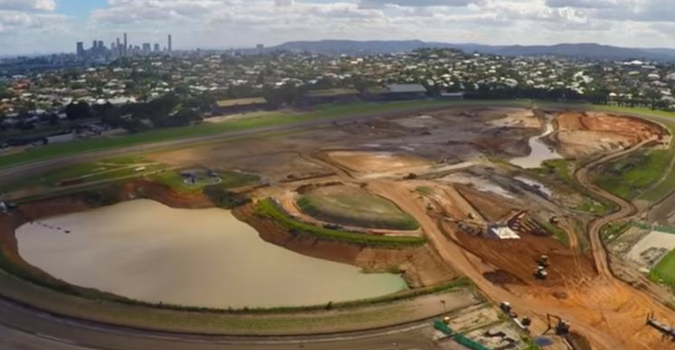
(442, 187)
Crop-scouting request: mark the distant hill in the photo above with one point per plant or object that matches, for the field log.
(587, 51)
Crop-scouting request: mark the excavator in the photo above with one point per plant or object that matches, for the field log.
(561, 327)
(668, 332)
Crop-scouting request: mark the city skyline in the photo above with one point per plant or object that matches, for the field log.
(50, 26)
(116, 49)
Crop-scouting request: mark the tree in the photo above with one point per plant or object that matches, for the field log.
(77, 111)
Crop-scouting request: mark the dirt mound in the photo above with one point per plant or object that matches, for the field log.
(584, 134)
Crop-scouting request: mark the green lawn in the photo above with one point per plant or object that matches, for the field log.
(270, 209)
(664, 271)
(355, 207)
(206, 129)
(107, 169)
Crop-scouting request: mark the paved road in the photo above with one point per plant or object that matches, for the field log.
(24, 329)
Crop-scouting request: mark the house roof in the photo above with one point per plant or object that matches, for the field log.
(242, 102)
(407, 88)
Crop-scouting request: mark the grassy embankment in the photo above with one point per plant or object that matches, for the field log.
(561, 169)
(209, 129)
(356, 207)
(269, 208)
(106, 308)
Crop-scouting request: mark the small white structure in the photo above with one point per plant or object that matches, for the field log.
(503, 232)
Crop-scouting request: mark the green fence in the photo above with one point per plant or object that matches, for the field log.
(462, 340)
(646, 226)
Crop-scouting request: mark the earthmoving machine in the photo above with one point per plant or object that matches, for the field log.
(506, 307)
(562, 327)
(543, 261)
(541, 273)
(668, 332)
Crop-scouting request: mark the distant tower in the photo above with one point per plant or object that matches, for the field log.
(157, 47)
(101, 45)
(80, 49)
(169, 46)
(126, 45)
(261, 49)
(94, 44)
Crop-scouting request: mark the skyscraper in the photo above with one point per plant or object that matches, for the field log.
(261, 49)
(157, 47)
(126, 45)
(80, 49)
(169, 43)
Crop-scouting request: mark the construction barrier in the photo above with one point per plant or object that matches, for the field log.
(462, 340)
(646, 226)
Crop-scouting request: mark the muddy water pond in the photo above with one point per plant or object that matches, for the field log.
(540, 153)
(146, 251)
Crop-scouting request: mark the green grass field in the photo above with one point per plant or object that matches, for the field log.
(107, 169)
(664, 271)
(270, 209)
(628, 177)
(355, 207)
(207, 129)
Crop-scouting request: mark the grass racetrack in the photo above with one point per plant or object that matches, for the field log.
(351, 206)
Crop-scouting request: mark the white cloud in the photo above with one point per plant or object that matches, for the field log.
(28, 5)
(237, 23)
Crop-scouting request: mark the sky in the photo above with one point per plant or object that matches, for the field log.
(48, 26)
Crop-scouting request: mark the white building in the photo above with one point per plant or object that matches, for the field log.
(502, 232)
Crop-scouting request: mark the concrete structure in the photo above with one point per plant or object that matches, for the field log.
(261, 49)
(169, 43)
(126, 45)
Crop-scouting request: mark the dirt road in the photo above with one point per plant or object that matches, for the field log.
(626, 209)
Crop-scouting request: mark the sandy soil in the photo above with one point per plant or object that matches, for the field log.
(372, 163)
(583, 134)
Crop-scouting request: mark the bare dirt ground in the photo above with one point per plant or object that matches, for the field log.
(584, 134)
